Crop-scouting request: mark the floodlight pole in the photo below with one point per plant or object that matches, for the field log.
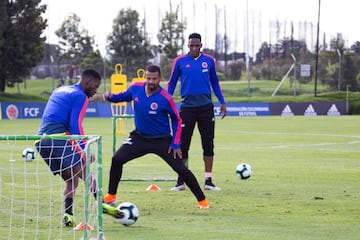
(339, 77)
(294, 59)
(317, 51)
(104, 72)
(247, 48)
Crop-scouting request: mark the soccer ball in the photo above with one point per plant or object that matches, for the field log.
(131, 213)
(28, 154)
(243, 171)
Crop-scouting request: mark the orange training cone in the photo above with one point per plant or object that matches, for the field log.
(80, 227)
(153, 187)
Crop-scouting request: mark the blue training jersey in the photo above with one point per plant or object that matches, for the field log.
(197, 77)
(65, 111)
(151, 113)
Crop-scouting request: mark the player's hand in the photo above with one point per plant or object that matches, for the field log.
(106, 95)
(176, 152)
(223, 110)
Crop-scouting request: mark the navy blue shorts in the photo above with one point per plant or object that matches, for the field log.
(60, 155)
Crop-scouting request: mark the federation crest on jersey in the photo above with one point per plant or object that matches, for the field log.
(204, 64)
(154, 106)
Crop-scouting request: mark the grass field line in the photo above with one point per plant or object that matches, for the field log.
(310, 145)
(293, 133)
(314, 145)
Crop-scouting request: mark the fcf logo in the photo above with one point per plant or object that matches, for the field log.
(31, 111)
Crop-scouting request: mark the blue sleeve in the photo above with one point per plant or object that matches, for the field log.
(122, 97)
(78, 111)
(175, 121)
(215, 84)
(176, 129)
(175, 74)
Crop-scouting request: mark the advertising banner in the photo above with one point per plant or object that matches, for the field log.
(22, 110)
(17, 110)
(309, 109)
(245, 109)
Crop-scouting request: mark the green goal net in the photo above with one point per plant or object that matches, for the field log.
(31, 197)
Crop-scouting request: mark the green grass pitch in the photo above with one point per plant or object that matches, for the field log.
(305, 182)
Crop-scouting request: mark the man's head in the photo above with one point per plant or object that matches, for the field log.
(153, 78)
(90, 82)
(194, 44)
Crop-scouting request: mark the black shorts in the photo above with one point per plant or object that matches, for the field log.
(205, 119)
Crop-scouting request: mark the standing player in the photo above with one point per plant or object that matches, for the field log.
(63, 115)
(197, 73)
(154, 109)
(72, 73)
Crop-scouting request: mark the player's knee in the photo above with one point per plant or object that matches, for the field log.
(208, 149)
(117, 161)
(185, 155)
(183, 171)
(208, 152)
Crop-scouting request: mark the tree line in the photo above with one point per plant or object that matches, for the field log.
(22, 48)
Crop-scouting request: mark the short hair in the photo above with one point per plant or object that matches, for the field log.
(91, 73)
(153, 68)
(195, 35)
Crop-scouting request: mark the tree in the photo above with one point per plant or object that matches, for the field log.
(236, 69)
(127, 44)
(75, 42)
(95, 61)
(349, 74)
(171, 37)
(3, 21)
(337, 42)
(264, 53)
(356, 48)
(21, 44)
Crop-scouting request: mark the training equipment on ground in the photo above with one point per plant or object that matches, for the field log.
(31, 197)
(131, 213)
(28, 154)
(243, 171)
(118, 84)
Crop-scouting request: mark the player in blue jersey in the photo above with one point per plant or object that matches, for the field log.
(63, 115)
(154, 133)
(197, 73)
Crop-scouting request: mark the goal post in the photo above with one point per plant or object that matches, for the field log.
(31, 197)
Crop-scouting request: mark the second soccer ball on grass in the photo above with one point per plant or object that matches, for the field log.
(243, 171)
(28, 154)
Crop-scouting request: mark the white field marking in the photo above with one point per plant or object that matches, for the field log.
(311, 145)
(293, 133)
(301, 134)
(297, 146)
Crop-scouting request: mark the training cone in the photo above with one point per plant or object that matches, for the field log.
(80, 227)
(153, 187)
